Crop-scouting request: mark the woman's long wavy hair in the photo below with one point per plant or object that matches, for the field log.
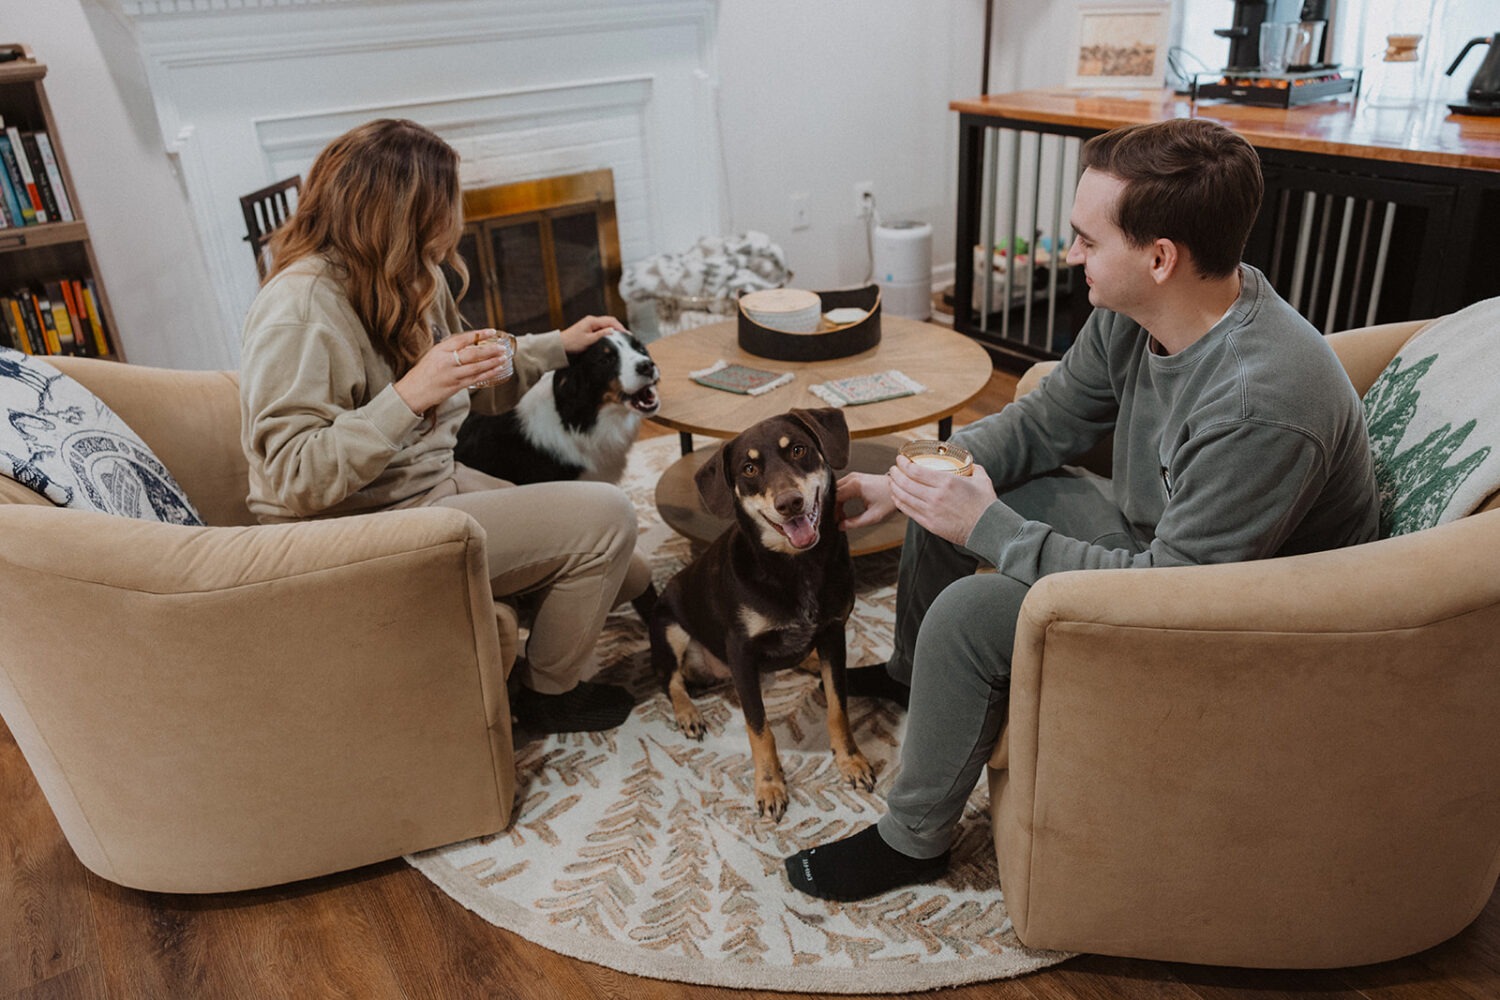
(382, 204)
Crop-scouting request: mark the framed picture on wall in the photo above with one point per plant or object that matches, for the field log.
(1118, 46)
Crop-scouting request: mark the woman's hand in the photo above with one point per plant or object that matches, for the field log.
(587, 330)
(945, 504)
(875, 491)
(448, 366)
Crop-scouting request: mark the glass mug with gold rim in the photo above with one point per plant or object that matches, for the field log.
(944, 456)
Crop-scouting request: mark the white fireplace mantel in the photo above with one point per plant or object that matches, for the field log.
(247, 91)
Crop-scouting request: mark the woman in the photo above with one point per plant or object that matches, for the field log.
(356, 374)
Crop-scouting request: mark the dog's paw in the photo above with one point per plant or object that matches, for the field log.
(691, 725)
(857, 771)
(771, 798)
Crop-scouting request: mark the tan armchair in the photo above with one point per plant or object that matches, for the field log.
(1287, 763)
(225, 707)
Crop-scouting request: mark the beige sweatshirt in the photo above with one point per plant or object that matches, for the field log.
(321, 424)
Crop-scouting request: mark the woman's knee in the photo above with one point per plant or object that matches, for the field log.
(610, 511)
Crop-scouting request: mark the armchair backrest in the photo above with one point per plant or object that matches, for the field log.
(189, 419)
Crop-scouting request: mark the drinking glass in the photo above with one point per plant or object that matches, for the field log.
(508, 347)
(1276, 39)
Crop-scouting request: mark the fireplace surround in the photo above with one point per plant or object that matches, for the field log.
(247, 91)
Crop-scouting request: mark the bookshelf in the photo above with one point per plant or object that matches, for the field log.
(41, 260)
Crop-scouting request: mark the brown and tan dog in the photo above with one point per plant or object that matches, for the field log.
(777, 584)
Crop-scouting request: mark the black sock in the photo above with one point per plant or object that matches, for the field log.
(875, 682)
(587, 708)
(858, 867)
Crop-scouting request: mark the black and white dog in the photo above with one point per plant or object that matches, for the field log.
(575, 423)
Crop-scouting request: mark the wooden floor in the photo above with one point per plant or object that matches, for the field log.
(386, 932)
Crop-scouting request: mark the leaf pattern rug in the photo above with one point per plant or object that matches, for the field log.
(640, 849)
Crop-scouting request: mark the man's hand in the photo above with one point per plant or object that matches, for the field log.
(587, 330)
(875, 491)
(945, 504)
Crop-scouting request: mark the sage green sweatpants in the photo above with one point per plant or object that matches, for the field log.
(954, 634)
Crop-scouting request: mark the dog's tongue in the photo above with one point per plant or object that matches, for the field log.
(800, 531)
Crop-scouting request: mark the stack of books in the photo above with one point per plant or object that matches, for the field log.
(55, 317)
(31, 185)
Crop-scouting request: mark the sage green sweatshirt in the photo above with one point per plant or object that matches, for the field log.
(1249, 443)
(321, 424)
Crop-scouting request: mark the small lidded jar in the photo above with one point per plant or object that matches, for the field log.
(944, 456)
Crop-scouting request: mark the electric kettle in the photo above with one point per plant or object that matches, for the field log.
(1484, 89)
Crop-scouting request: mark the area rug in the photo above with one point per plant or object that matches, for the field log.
(641, 850)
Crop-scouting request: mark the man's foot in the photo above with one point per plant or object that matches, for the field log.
(874, 682)
(587, 708)
(859, 867)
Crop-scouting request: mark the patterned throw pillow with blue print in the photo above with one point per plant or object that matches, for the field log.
(60, 440)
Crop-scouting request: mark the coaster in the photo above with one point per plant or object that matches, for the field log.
(739, 378)
(867, 388)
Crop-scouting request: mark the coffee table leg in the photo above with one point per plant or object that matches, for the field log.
(945, 428)
(685, 441)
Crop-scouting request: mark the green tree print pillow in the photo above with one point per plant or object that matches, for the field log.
(1434, 421)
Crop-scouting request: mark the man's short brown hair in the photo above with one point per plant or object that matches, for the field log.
(1188, 180)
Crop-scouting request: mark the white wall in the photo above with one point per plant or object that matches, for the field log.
(812, 98)
(817, 97)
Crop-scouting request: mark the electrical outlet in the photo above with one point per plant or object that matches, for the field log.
(800, 212)
(864, 199)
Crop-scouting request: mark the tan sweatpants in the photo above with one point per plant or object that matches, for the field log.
(573, 544)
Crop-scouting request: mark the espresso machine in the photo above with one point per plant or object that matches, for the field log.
(1304, 74)
(1244, 34)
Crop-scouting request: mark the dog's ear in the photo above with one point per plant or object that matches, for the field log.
(712, 480)
(830, 430)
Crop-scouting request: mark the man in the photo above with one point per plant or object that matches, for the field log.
(1237, 436)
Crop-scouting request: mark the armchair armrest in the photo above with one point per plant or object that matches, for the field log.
(1301, 746)
(216, 708)
(1032, 377)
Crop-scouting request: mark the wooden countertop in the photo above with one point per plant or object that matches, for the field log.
(1428, 135)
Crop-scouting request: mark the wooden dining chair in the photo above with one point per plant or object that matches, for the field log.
(265, 210)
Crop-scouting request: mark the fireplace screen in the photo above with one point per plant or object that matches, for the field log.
(541, 254)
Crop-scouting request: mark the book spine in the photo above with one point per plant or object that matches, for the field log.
(15, 331)
(54, 177)
(81, 339)
(96, 317)
(34, 322)
(15, 187)
(17, 303)
(5, 218)
(43, 308)
(32, 311)
(28, 179)
(39, 178)
(61, 320)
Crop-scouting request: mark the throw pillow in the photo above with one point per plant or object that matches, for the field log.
(1434, 420)
(60, 440)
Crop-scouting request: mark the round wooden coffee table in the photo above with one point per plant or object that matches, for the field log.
(953, 368)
